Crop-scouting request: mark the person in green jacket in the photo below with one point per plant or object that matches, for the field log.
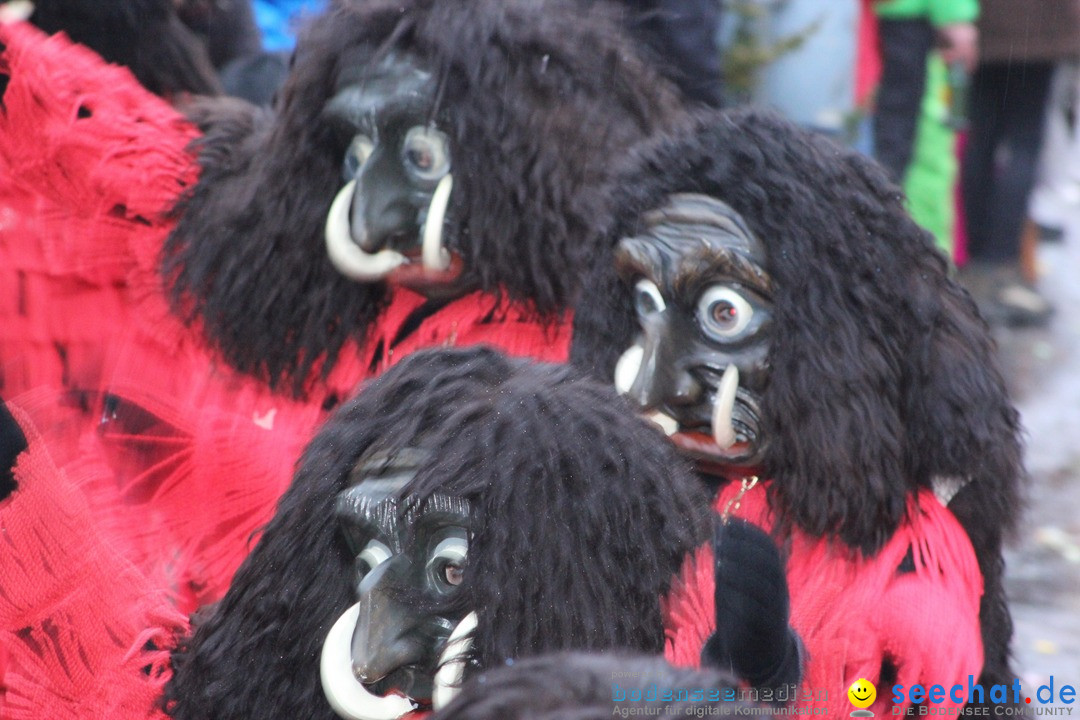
(931, 179)
(908, 31)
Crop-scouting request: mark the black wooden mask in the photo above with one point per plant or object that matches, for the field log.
(386, 222)
(384, 654)
(703, 300)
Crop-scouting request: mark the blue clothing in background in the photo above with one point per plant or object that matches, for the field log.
(276, 19)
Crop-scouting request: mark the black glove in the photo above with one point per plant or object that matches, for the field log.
(12, 442)
(752, 638)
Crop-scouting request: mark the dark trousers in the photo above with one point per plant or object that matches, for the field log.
(1007, 113)
(904, 47)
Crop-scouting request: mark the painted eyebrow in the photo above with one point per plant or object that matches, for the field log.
(697, 259)
(359, 507)
(730, 263)
(375, 503)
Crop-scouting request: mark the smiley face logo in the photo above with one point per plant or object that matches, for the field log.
(862, 693)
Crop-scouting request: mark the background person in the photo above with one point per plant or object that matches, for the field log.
(1021, 42)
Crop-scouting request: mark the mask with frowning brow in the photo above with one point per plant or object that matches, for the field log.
(397, 648)
(703, 299)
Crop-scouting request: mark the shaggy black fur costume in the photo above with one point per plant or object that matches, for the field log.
(539, 99)
(883, 375)
(147, 36)
(576, 686)
(555, 468)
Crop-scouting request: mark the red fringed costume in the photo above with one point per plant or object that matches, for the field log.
(181, 458)
(85, 635)
(855, 613)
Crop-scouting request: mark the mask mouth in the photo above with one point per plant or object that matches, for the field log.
(432, 264)
(700, 447)
(348, 697)
(406, 681)
(731, 436)
(351, 699)
(697, 443)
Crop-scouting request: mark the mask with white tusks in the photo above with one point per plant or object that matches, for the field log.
(628, 367)
(723, 431)
(347, 695)
(452, 663)
(433, 254)
(350, 259)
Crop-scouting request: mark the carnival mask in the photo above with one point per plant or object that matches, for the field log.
(703, 299)
(386, 222)
(401, 646)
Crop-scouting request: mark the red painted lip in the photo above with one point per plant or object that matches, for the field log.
(423, 705)
(415, 276)
(707, 456)
(700, 443)
(422, 702)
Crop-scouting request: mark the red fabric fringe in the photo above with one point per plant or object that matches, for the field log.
(89, 163)
(86, 635)
(853, 612)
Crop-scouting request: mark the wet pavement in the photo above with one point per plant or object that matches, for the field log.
(1043, 572)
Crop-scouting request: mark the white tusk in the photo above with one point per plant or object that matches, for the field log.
(946, 487)
(347, 695)
(722, 429)
(432, 253)
(452, 663)
(349, 258)
(668, 424)
(628, 367)
(16, 11)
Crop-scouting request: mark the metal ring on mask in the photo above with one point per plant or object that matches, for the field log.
(432, 253)
(452, 663)
(347, 257)
(347, 696)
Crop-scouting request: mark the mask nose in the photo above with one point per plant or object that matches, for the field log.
(382, 641)
(659, 381)
(686, 391)
(381, 207)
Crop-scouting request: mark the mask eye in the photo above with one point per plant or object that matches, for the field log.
(723, 313)
(372, 556)
(426, 154)
(454, 574)
(356, 155)
(647, 298)
(447, 563)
